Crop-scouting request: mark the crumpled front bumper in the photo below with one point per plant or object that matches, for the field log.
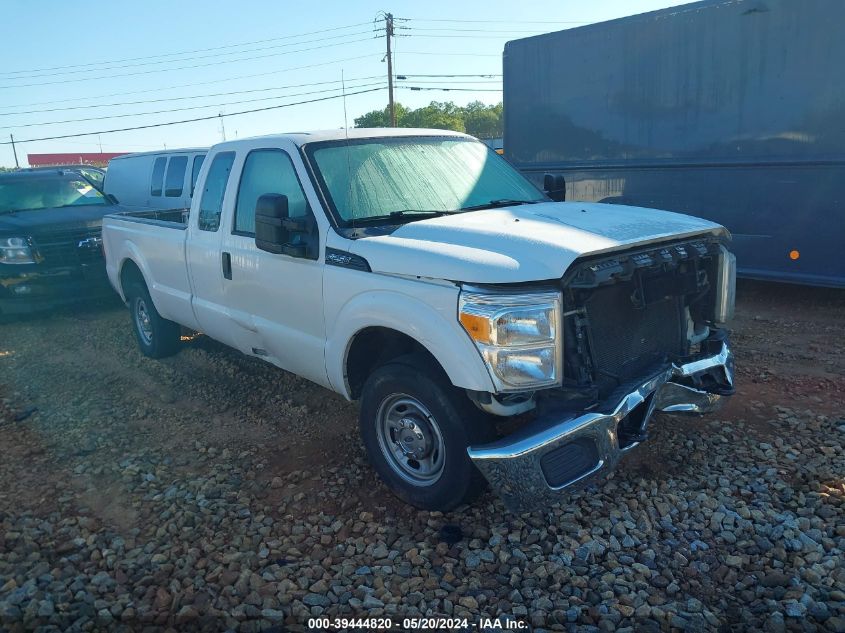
(533, 466)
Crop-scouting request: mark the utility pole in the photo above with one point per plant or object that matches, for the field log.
(222, 126)
(388, 26)
(14, 151)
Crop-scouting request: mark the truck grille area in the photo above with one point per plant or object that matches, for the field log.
(626, 338)
(626, 315)
(70, 247)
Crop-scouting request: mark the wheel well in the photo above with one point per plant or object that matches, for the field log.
(129, 274)
(373, 347)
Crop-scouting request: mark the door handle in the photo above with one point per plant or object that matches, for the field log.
(227, 265)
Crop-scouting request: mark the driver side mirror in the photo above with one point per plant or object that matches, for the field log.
(276, 232)
(555, 187)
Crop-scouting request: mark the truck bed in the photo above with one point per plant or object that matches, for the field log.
(172, 218)
(156, 241)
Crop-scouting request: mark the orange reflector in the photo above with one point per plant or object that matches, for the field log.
(477, 327)
(793, 255)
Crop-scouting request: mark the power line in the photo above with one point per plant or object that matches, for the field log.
(97, 143)
(199, 83)
(206, 56)
(418, 88)
(165, 99)
(464, 37)
(194, 120)
(455, 83)
(410, 75)
(189, 52)
(215, 63)
(168, 111)
(493, 21)
(448, 54)
(456, 30)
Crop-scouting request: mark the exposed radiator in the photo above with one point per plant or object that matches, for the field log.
(626, 339)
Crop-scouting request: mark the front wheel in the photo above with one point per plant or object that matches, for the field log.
(416, 428)
(157, 337)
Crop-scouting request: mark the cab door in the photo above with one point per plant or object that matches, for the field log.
(275, 300)
(206, 266)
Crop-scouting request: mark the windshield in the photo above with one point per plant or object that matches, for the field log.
(29, 193)
(374, 178)
(96, 176)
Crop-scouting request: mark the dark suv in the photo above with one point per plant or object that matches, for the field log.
(50, 239)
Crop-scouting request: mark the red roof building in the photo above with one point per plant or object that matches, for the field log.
(75, 158)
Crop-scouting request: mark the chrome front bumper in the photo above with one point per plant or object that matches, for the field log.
(531, 467)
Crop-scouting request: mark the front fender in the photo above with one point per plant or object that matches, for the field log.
(429, 316)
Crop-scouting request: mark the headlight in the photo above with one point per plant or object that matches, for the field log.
(518, 337)
(725, 286)
(15, 250)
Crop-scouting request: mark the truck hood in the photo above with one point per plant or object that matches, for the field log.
(521, 243)
(23, 223)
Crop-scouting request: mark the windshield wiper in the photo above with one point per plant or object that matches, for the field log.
(404, 212)
(495, 204)
(403, 215)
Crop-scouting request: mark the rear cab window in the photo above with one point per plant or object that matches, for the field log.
(157, 179)
(174, 182)
(211, 203)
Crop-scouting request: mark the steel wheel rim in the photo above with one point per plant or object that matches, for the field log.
(410, 440)
(143, 321)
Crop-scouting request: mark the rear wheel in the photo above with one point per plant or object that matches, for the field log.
(416, 428)
(157, 337)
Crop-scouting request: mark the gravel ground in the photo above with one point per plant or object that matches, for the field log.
(210, 492)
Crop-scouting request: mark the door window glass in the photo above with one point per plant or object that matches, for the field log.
(267, 171)
(195, 171)
(158, 176)
(175, 179)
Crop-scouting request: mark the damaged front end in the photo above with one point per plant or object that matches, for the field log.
(640, 334)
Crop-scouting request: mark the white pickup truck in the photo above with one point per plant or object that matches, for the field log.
(417, 271)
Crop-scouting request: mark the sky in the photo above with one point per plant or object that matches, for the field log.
(132, 60)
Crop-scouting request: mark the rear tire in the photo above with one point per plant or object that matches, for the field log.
(416, 428)
(157, 337)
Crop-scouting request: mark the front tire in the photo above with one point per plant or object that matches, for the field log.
(157, 337)
(416, 428)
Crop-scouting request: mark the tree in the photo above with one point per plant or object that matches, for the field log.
(484, 121)
(440, 116)
(475, 118)
(381, 118)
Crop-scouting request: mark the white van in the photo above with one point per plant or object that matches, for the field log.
(155, 180)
